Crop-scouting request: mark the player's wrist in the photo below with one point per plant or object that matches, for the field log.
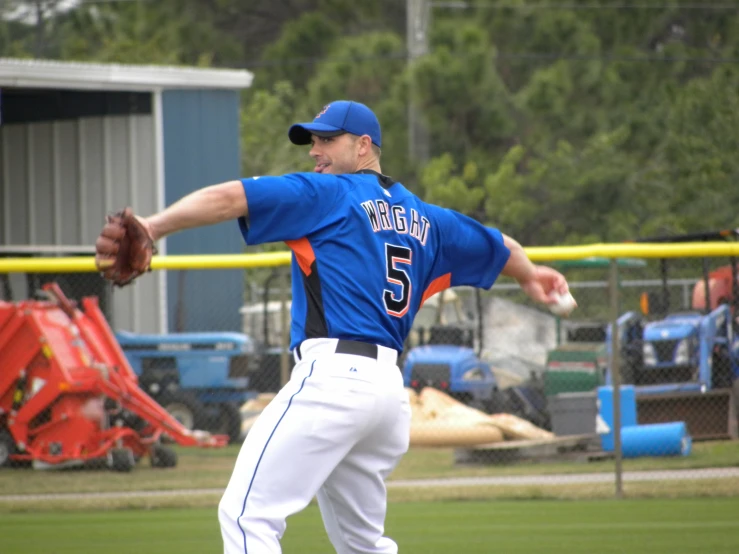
(150, 224)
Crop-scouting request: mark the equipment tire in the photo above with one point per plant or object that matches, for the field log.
(498, 403)
(184, 407)
(162, 456)
(721, 374)
(7, 447)
(121, 459)
(228, 422)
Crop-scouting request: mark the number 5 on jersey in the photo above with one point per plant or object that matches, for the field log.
(394, 256)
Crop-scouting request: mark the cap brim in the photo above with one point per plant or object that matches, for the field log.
(300, 133)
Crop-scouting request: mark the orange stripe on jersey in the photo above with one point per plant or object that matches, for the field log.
(303, 253)
(437, 285)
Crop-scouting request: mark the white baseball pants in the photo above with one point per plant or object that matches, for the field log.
(336, 430)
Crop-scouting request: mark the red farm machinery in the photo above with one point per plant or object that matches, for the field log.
(68, 396)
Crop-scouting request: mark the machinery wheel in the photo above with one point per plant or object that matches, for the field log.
(162, 456)
(498, 403)
(121, 459)
(7, 447)
(721, 371)
(98, 463)
(228, 422)
(184, 407)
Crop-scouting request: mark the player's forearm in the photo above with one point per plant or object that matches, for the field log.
(207, 206)
(518, 266)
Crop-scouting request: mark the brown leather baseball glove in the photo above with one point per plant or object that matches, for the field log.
(124, 248)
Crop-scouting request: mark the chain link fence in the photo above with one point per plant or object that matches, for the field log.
(546, 382)
(496, 383)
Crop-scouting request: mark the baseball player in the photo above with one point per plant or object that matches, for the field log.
(366, 254)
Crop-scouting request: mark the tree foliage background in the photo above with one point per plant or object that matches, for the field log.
(558, 122)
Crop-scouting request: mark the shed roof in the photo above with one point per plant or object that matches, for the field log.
(77, 75)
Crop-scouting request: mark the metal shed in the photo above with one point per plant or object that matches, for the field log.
(78, 140)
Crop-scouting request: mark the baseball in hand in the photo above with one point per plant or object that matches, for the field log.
(564, 304)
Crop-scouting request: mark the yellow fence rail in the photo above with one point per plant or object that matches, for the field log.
(643, 250)
(81, 264)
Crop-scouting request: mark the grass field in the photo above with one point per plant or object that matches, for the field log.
(210, 468)
(555, 527)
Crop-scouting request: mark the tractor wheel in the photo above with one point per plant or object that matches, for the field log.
(7, 447)
(721, 371)
(184, 407)
(162, 456)
(121, 459)
(228, 422)
(498, 403)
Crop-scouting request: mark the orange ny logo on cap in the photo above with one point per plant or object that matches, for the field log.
(323, 111)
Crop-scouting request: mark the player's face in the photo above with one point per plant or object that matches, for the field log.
(335, 155)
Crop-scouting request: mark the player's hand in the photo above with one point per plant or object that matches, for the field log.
(545, 284)
(124, 249)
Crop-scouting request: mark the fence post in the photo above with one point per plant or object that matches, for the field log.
(284, 331)
(616, 374)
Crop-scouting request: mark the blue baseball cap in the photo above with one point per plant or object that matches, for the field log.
(337, 118)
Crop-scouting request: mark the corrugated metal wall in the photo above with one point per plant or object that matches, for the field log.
(201, 147)
(60, 179)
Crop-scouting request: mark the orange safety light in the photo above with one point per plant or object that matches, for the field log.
(644, 303)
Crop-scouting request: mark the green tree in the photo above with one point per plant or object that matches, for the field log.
(566, 195)
(700, 165)
(447, 185)
(361, 68)
(559, 124)
(464, 102)
(265, 119)
(144, 33)
(290, 57)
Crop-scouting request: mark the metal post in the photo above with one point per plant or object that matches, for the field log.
(418, 14)
(665, 288)
(265, 309)
(686, 297)
(706, 285)
(284, 331)
(39, 45)
(439, 320)
(480, 322)
(734, 304)
(616, 376)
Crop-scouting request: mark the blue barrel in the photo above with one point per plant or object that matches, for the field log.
(658, 439)
(605, 409)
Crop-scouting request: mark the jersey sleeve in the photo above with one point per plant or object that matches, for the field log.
(287, 207)
(472, 253)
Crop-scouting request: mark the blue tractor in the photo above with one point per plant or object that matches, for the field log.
(200, 378)
(692, 351)
(674, 357)
(680, 352)
(455, 370)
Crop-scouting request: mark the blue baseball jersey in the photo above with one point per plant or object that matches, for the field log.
(366, 252)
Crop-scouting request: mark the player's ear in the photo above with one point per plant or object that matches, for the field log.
(365, 145)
